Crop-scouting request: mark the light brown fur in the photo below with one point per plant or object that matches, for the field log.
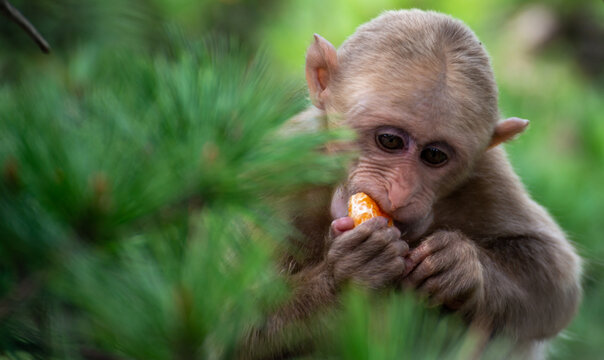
(479, 244)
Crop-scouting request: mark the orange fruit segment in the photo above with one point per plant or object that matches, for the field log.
(362, 208)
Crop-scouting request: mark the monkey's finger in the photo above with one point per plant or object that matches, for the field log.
(384, 269)
(432, 291)
(401, 247)
(340, 226)
(434, 285)
(444, 289)
(352, 238)
(378, 251)
(382, 263)
(377, 243)
(429, 266)
(417, 255)
(395, 248)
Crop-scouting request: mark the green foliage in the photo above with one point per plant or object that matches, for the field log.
(180, 300)
(394, 326)
(389, 326)
(135, 197)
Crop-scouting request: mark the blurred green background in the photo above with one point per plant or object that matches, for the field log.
(548, 58)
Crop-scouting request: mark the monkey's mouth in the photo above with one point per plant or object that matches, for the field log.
(411, 231)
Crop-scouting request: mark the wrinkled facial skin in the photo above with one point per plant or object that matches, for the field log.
(408, 160)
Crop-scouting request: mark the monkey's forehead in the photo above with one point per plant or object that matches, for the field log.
(419, 48)
(420, 74)
(431, 102)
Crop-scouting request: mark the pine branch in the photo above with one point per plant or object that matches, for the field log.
(95, 354)
(17, 17)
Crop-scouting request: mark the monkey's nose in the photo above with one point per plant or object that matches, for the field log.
(398, 199)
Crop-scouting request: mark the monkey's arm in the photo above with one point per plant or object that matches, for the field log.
(288, 329)
(370, 254)
(531, 288)
(524, 287)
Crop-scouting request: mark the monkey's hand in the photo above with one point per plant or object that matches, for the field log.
(445, 268)
(371, 254)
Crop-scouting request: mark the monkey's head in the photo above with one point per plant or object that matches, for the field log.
(419, 90)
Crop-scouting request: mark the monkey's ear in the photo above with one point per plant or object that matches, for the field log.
(321, 64)
(507, 129)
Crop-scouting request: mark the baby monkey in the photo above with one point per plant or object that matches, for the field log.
(418, 89)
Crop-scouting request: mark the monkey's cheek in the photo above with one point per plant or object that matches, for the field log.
(339, 204)
(413, 214)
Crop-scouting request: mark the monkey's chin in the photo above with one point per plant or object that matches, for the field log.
(412, 231)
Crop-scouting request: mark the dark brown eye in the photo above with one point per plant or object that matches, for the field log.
(433, 156)
(390, 141)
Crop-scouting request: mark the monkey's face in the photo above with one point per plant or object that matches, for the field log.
(408, 160)
(423, 101)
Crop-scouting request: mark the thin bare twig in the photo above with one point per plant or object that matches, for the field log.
(17, 17)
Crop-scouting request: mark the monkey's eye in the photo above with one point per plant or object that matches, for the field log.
(390, 141)
(433, 156)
